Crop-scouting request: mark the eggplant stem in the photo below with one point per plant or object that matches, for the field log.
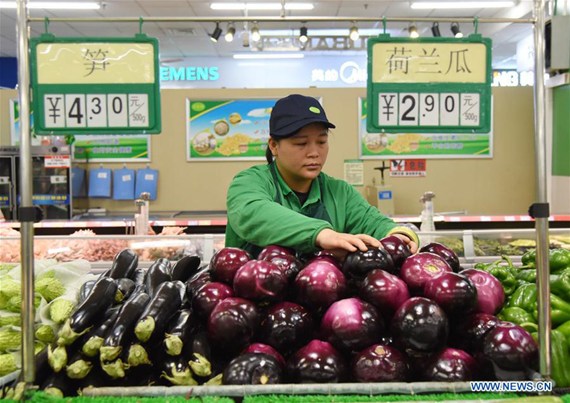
(173, 344)
(201, 366)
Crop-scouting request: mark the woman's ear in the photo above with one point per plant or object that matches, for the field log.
(273, 146)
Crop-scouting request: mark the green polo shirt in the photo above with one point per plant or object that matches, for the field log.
(254, 217)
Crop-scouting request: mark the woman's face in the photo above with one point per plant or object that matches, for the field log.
(300, 158)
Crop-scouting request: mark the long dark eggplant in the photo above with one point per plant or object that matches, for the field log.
(200, 354)
(158, 312)
(124, 264)
(95, 338)
(125, 287)
(185, 268)
(176, 371)
(139, 275)
(158, 273)
(118, 335)
(89, 312)
(178, 332)
(78, 366)
(59, 385)
(43, 369)
(85, 290)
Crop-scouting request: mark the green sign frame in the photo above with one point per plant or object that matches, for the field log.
(408, 94)
(95, 85)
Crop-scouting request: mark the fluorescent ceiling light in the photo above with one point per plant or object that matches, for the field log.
(418, 5)
(250, 56)
(55, 5)
(261, 6)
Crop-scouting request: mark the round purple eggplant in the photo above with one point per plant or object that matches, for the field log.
(453, 292)
(380, 363)
(444, 252)
(450, 365)
(319, 284)
(421, 267)
(351, 324)
(317, 362)
(233, 323)
(260, 281)
(421, 325)
(226, 262)
(209, 295)
(253, 369)
(385, 291)
(397, 249)
(286, 326)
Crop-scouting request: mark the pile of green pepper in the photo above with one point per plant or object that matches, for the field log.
(519, 284)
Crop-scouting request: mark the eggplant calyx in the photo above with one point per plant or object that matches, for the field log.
(79, 369)
(200, 366)
(53, 391)
(144, 328)
(115, 369)
(92, 346)
(119, 296)
(180, 377)
(57, 358)
(67, 335)
(216, 380)
(173, 344)
(109, 353)
(138, 356)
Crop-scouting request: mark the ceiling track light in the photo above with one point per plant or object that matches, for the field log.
(255, 35)
(230, 33)
(455, 30)
(303, 34)
(413, 31)
(435, 30)
(214, 36)
(354, 35)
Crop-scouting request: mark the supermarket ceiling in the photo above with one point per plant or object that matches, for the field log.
(192, 39)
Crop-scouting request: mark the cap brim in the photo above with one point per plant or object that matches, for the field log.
(293, 128)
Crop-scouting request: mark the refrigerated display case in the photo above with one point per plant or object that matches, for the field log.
(472, 246)
(51, 181)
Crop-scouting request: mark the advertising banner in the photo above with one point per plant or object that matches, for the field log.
(227, 129)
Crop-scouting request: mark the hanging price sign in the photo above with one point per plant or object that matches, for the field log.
(95, 85)
(429, 85)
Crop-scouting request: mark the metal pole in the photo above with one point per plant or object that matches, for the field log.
(26, 206)
(541, 207)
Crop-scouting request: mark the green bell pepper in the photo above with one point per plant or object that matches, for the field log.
(565, 330)
(515, 315)
(524, 297)
(559, 311)
(560, 353)
(529, 258)
(527, 275)
(560, 284)
(559, 259)
(506, 276)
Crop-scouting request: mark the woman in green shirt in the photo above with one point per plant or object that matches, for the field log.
(292, 203)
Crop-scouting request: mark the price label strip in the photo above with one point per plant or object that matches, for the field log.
(96, 85)
(429, 85)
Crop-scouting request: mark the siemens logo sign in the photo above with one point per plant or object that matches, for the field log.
(190, 73)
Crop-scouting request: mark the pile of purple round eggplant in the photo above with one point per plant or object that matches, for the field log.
(383, 315)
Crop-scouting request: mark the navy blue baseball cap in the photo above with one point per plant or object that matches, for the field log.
(292, 113)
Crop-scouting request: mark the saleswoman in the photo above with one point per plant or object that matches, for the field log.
(290, 202)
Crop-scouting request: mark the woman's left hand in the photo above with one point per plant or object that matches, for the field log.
(409, 243)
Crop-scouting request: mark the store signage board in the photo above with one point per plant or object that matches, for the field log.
(95, 85)
(428, 85)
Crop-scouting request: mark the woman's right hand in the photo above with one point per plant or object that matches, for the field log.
(328, 239)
